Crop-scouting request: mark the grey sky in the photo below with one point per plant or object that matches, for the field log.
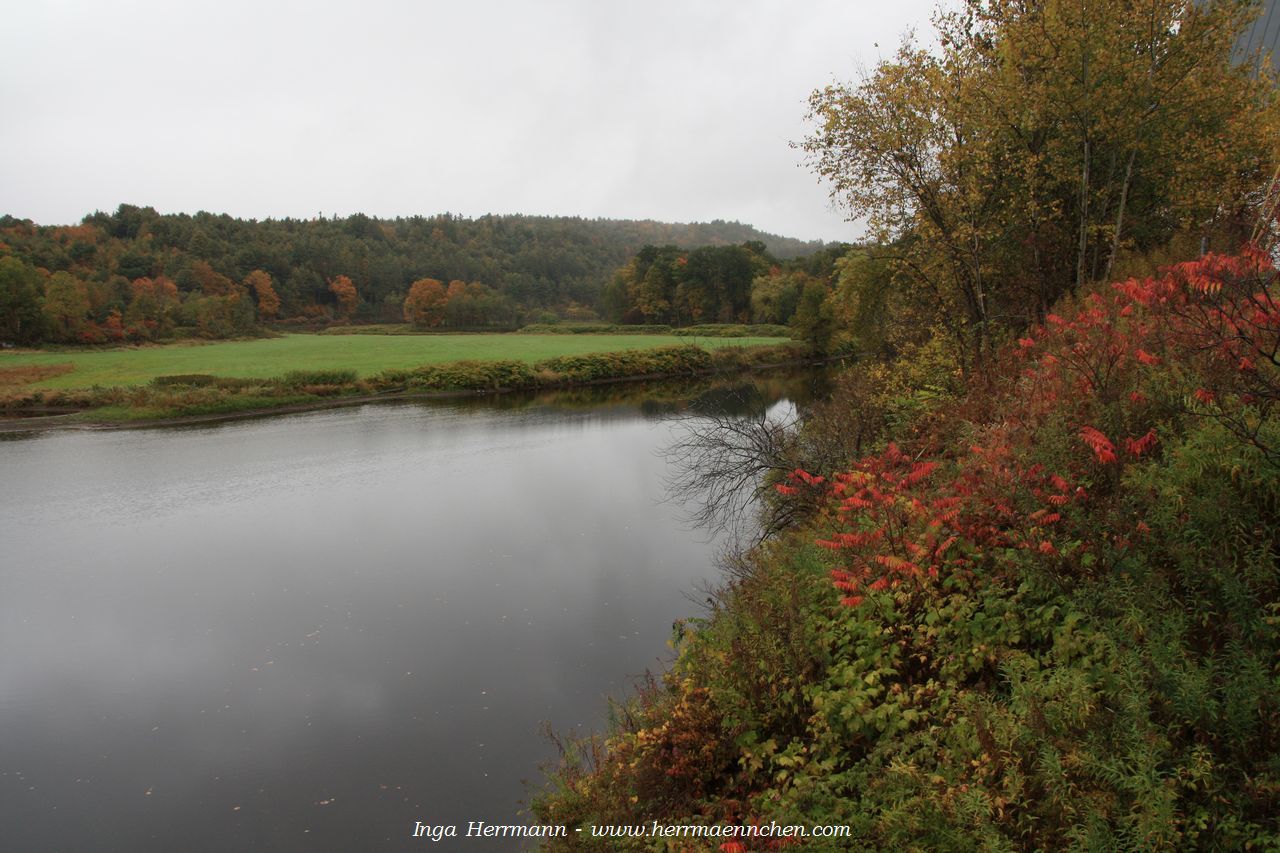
(661, 110)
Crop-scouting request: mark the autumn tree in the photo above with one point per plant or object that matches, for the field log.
(652, 293)
(345, 292)
(774, 295)
(260, 283)
(425, 304)
(66, 306)
(209, 281)
(1040, 141)
(475, 304)
(113, 326)
(213, 316)
(152, 306)
(20, 318)
(813, 320)
(220, 316)
(667, 284)
(615, 302)
(872, 313)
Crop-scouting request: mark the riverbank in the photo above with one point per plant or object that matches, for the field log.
(1032, 608)
(200, 398)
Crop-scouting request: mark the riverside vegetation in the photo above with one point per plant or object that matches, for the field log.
(1027, 593)
(135, 397)
(1046, 615)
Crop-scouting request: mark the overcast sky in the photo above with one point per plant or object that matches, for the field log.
(679, 111)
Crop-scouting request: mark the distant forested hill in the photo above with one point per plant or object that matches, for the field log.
(532, 261)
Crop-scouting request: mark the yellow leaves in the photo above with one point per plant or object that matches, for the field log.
(1009, 146)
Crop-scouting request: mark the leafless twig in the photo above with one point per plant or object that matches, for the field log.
(723, 467)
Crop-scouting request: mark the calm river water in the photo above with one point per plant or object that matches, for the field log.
(308, 632)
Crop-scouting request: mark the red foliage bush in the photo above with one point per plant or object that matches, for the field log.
(1201, 340)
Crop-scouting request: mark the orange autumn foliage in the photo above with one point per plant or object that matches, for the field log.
(345, 291)
(259, 282)
(425, 304)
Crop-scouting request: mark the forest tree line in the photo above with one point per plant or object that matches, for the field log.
(136, 274)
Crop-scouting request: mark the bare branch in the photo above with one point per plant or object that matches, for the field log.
(724, 465)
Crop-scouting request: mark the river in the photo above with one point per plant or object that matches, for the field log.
(309, 632)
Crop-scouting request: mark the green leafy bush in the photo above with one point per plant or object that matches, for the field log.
(472, 376)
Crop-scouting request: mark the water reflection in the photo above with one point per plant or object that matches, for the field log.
(308, 632)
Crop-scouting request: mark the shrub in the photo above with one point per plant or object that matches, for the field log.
(662, 361)
(299, 378)
(190, 380)
(473, 376)
(737, 358)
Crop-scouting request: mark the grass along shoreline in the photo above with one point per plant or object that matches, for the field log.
(189, 398)
(368, 355)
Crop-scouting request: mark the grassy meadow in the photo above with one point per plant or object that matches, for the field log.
(271, 357)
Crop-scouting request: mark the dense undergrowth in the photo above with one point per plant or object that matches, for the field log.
(1045, 615)
(202, 394)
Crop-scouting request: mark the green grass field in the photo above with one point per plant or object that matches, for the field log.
(366, 354)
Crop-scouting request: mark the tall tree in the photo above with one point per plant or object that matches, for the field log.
(814, 319)
(345, 292)
(66, 306)
(259, 281)
(1040, 141)
(152, 306)
(20, 318)
(774, 296)
(425, 304)
(209, 281)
